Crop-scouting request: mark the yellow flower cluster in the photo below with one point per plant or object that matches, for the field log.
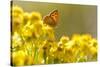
(34, 42)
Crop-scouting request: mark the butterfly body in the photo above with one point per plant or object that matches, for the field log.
(51, 19)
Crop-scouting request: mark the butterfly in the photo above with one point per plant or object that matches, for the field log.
(52, 18)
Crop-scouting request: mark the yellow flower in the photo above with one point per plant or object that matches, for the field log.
(69, 55)
(18, 58)
(26, 32)
(49, 32)
(64, 39)
(35, 16)
(26, 18)
(59, 54)
(29, 60)
(76, 37)
(93, 50)
(69, 45)
(16, 10)
(16, 40)
(86, 37)
(93, 42)
(38, 29)
(17, 18)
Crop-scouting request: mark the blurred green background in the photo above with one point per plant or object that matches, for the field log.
(73, 19)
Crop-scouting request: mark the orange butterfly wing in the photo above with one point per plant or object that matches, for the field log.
(48, 20)
(54, 15)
